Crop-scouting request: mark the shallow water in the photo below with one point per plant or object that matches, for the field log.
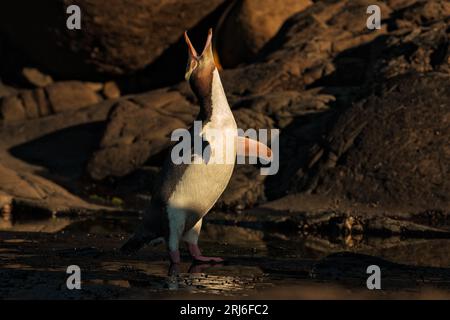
(34, 255)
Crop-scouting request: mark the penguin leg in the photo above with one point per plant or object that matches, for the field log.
(177, 221)
(191, 238)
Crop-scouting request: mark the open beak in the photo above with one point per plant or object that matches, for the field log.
(194, 59)
(208, 46)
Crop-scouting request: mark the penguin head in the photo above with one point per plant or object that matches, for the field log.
(200, 68)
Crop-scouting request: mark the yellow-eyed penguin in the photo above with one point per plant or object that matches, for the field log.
(185, 193)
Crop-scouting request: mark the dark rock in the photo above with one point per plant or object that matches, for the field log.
(14, 133)
(303, 50)
(116, 38)
(27, 189)
(12, 109)
(69, 95)
(138, 129)
(111, 90)
(248, 25)
(36, 77)
(6, 90)
(354, 71)
(57, 97)
(389, 149)
(246, 188)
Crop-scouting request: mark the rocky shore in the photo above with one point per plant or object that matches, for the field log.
(85, 116)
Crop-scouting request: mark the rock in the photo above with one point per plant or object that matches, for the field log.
(6, 90)
(94, 86)
(14, 133)
(246, 188)
(391, 148)
(314, 47)
(111, 90)
(12, 109)
(57, 97)
(70, 95)
(36, 77)
(116, 38)
(28, 190)
(138, 129)
(350, 74)
(251, 24)
(303, 50)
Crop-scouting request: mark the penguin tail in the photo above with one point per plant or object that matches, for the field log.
(132, 245)
(136, 242)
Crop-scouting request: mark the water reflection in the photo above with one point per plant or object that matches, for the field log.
(257, 261)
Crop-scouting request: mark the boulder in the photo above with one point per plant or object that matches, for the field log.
(303, 50)
(26, 190)
(391, 148)
(249, 24)
(57, 97)
(137, 129)
(36, 78)
(117, 37)
(246, 188)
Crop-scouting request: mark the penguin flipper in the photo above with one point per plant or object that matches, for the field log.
(252, 148)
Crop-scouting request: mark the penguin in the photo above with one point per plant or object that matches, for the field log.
(185, 193)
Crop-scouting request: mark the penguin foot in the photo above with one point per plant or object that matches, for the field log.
(196, 254)
(207, 259)
(174, 269)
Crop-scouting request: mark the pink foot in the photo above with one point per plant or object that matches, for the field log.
(174, 257)
(196, 254)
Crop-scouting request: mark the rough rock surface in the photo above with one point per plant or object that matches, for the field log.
(246, 188)
(54, 98)
(28, 190)
(303, 50)
(320, 47)
(248, 25)
(138, 129)
(318, 80)
(356, 70)
(391, 148)
(36, 78)
(116, 37)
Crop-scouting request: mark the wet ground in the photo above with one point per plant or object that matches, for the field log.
(35, 254)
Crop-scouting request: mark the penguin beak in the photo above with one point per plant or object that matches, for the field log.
(194, 59)
(192, 51)
(207, 50)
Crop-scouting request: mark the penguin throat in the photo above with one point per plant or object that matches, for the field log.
(214, 106)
